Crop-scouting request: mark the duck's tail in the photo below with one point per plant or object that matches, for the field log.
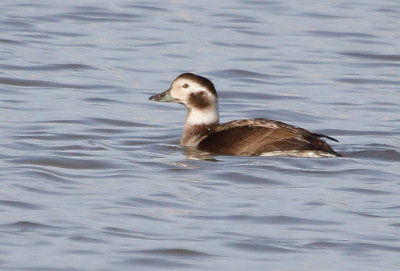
(325, 136)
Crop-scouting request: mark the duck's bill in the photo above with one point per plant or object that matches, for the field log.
(163, 97)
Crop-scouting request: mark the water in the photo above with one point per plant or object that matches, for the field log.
(92, 174)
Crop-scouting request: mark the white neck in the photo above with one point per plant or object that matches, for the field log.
(196, 121)
(204, 116)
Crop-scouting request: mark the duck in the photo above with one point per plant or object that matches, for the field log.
(246, 137)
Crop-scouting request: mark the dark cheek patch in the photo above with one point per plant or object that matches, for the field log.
(199, 100)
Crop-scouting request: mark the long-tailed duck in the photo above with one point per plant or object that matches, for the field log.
(249, 137)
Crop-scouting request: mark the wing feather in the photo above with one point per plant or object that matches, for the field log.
(257, 136)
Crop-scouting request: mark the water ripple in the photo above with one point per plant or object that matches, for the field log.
(47, 84)
(173, 252)
(20, 205)
(146, 7)
(390, 58)
(241, 45)
(158, 263)
(247, 178)
(269, 220)
(351, 247)
(65, 163)
(336, 34)
(321, 15)
(118, 123)
(364, 81)
(29, 226)
(151, 202)
(85, 239)
(99, 16)
(48, 67)
(364, 191)
(257, 246)
(50, 175)
(9, 41)
(238, 74)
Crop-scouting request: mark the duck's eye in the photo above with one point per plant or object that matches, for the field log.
(185, 85)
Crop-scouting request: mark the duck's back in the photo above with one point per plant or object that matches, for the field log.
(265, 137)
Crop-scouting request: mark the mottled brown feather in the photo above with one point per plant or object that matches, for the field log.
(257, 136)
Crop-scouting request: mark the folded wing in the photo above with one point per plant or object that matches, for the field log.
(260, 136)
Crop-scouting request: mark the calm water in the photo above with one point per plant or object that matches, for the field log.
(92, 174)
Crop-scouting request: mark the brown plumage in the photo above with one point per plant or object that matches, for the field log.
(260, 136)
(249, 137)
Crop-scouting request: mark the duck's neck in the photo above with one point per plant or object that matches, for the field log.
(199, 123)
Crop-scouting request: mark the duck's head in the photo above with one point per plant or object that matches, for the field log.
(197, 93)
(189, 89)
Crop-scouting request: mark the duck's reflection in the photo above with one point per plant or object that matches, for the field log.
(193, 154)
